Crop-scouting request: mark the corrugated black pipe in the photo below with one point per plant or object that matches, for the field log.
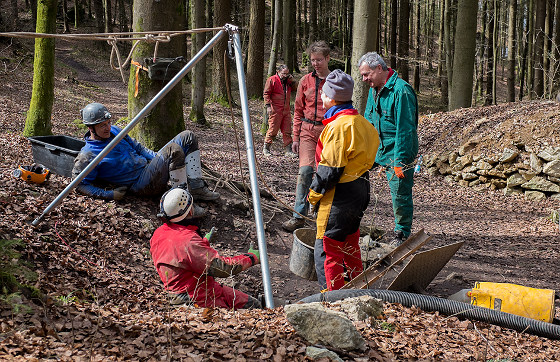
(448, 307)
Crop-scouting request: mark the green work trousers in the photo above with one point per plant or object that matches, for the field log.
(401, 195)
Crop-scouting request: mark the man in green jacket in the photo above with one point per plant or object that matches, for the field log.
(392, 108)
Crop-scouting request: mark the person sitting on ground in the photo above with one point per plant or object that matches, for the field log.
(134, 168)
(340, 189)
(187, 264)
(276, 96)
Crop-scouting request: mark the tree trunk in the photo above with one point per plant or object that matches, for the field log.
(255, 57)
(523, 71)
(416, 82)
(99, 14)
(441, 52)
(198, 40)
(549, 23)
(275, 37)
(107, 16)
(404, 33)
(481, 51)
(288, 38)
(448, 47)
(394, 24)
(222, 15)
(490, 61)
(312, 21)
(366, 18)
(512, 10)
(538, 78)
(64, 15)
(38, 120)
(77, 14)
(166, 118)
(463, 60)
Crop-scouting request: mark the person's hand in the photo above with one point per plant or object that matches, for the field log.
(399, 172)
(295, 147)
(119, 192)
(209, 235)
(256, 253)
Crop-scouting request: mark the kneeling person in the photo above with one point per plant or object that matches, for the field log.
(187, 264)
(133, 167)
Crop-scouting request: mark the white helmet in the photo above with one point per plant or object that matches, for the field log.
(175, 204)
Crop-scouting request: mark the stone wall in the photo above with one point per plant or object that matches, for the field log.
(517, 170)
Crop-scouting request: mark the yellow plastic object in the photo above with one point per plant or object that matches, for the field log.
(515, 299)
(32, 174)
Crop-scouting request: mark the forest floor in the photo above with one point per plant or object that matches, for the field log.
(104, 300)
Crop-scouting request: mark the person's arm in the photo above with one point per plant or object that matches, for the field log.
(268, 91)
(138, 147)
(298, 112)
(86, 186)
(213, 263)
(331, 167)
(406, 121)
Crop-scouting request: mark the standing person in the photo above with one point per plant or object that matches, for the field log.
(340, 189)
(308, 114)
(277, 92)
(392, 107)
(187, 264)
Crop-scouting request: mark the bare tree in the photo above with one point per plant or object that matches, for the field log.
(255, 57)
(198, 20)
(512, 13)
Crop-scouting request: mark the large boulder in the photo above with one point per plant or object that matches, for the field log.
(534, 195)
(550, 154)
(317, 324)
(552, 168)
(509, 155)
(515, 180)
(361, 308)
(539, 183)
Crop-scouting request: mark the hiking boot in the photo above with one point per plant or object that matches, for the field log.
(197, 212)
(398, 239)
(293, 224)
(266, 149)
(288, 152)
(204, 194)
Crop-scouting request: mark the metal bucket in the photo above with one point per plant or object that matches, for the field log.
(302, 261)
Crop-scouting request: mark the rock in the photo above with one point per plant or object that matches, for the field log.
(361, 308)
(449, 179)
(431, 161)
(470, 169)
(452, 157)
(445, 169)
(483, 165)
(318, 324)
(464, 149)
(468, 176)
(534, 195)
(536, 163)
(509, 155)
(483, 179)
(510, 169)
(463, 161)
(512, 191)
(464, 183)
(495, 173)
(481, 187)
(552, 168)
(493, 159)
(474, 183)
(556, 180)
(433, 171)
(316, 353)
(476, 158)
(482, 172)
(515, 180)
(539, 183)
(550, 154)
(498, 183)
(555, 197)
(527, 175)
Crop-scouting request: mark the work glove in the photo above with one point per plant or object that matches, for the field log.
(119, 192)
(209, 235)
(399, 172)
(256, 253)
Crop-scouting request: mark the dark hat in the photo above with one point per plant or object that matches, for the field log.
(338, 86)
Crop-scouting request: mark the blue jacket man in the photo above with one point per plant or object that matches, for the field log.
(134, 168)
(392, 108)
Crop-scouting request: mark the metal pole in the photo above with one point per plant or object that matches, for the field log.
(174, 81)
(252, 165)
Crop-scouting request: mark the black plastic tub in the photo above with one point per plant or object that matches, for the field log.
(57, 153)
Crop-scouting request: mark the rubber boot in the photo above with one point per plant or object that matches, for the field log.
(305, 175)
(266, 149)
(178, 176)
(199, 190)
(288, 152)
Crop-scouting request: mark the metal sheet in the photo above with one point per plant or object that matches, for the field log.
(423, 268)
